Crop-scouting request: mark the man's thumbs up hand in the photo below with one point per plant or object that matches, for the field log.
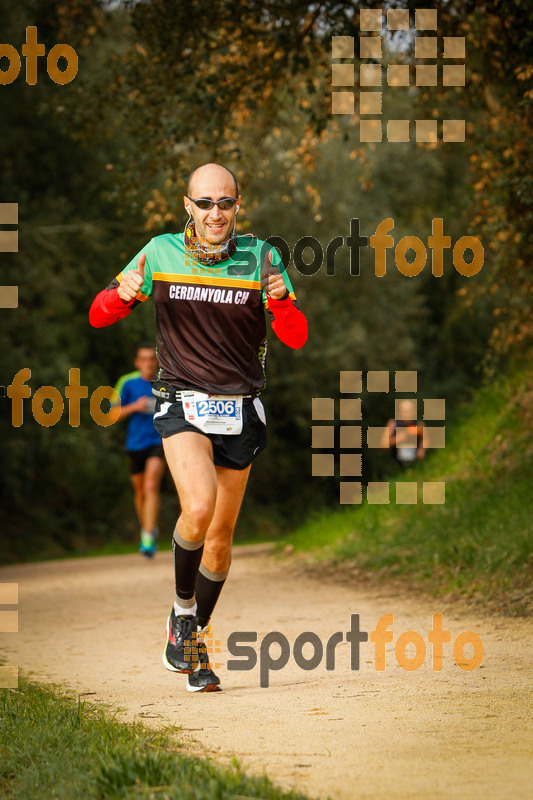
(271, 279)
(132, 281)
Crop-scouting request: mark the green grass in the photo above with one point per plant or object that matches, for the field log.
(480, 542)
(54, 747)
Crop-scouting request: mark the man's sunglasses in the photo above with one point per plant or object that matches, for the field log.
(225, 204)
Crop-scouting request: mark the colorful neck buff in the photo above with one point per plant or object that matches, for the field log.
(208, 254)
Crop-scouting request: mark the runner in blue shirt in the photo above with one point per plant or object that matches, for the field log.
(143, 443)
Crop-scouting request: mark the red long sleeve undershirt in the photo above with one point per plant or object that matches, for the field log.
(107, 307)
(289, 324)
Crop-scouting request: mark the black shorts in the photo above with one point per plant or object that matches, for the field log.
(229, 450)
(138, 457)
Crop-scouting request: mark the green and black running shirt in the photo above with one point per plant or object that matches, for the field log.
(211, 331)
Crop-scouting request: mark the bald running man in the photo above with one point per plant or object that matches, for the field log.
(211, 289)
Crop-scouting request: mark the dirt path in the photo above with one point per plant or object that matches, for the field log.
(97, 625)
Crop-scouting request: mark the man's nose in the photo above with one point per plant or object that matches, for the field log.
(216, 213)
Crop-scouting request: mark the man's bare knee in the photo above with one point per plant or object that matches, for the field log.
(197, 517)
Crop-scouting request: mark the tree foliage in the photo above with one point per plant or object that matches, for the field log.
(98, 167)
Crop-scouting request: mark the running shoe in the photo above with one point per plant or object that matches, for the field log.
(148, 544)
(181, 649)
(203, 679)
(185, 652)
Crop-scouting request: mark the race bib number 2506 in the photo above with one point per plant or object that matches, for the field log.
(213, 413)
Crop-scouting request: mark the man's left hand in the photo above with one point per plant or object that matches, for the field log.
(272, 279)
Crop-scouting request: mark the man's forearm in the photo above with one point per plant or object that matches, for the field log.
(107, 308)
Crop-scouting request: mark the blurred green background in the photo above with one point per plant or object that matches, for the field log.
(98, 167)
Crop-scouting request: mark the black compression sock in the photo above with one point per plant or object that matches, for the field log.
(187, 558)
(208, 587)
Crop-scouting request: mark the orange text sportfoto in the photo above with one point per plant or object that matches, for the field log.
(379, 242)
(32, 50)
(74, 393)
(380, 636)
